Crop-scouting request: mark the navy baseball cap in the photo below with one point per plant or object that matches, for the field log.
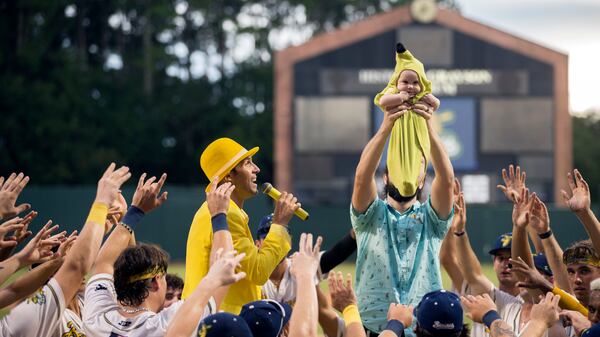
(440, 313)
(541, 264)
(266, 318)
(224, 324)
(594, 331)
(503, 242)
(264, 226)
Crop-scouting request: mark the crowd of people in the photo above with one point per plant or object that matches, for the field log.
(400, 243)
(244, 285)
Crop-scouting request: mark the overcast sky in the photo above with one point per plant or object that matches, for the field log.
(568, 26)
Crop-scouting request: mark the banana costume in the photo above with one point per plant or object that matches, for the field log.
(409, 141)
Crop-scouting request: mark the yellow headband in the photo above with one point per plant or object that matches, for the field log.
(150, 273)
(589, 260)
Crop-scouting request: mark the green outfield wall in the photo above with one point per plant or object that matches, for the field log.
(168, 225)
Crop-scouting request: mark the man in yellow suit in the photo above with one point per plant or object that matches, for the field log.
(224, 160)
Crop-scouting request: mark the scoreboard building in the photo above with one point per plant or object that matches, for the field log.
(504, 100)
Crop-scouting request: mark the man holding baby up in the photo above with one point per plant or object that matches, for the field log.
(399, 238)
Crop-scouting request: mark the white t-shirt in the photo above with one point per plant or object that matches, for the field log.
(101, 317)
(71, 324)
(40, 315)
(286, 292)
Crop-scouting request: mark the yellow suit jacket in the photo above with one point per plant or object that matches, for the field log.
(258, 264)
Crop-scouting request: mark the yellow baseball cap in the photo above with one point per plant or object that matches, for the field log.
(221, 156)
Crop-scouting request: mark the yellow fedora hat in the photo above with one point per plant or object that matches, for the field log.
(221, 156)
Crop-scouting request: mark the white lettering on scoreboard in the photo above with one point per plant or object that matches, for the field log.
(444, 81)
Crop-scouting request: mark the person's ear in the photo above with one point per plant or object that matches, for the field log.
(154, 284)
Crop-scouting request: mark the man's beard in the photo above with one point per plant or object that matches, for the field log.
(393, 192)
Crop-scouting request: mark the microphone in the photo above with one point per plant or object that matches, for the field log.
(271, 191)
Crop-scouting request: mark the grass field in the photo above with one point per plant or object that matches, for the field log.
(179, 269)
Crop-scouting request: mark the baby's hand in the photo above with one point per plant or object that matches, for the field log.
(405, 96)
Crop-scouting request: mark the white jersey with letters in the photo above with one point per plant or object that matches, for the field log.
(510, 308)
(101, 317)
(39, 315)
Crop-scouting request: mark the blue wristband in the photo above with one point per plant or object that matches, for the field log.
(219, 223)
(396, 326)
(490, 317)
(133, 216)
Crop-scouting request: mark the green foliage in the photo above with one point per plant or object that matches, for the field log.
(145, 83)
(586, 150)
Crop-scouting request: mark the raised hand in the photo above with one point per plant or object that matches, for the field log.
(342, 294)
(460, 208)
(522, 208)
(539, 219)
(222, 271)
(579, 199)
(392, 114)
(7, 227)
(146, 194)
(285, 208)
(306, 261)
(39, 248)
(430, 100)
(546, 310)
(66, 245)
(423, 110)
(110, 183)
(577, 320)
(532, 279)
(400, 312)
(116, 211)
(514, 183)
(23, 233)
(477, 306)
(9, 192)
(217, 197)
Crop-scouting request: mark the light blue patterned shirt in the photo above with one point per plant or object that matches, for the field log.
(397, 259)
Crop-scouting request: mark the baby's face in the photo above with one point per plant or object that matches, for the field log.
(409, 82)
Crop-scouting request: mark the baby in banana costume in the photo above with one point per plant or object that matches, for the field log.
(409, 148)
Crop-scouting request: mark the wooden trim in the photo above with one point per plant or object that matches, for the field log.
(282, 122)
(563, 132)
(495, 36)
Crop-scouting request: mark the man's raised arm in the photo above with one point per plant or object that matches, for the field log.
(145, 199)
(86, 247)
(365, 189)
(467, 260)
(441, 187)
(580, 203)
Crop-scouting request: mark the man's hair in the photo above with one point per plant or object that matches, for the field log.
(174, 282)
(143, 259)
(581, 252)
(393, 192)
(465, 332)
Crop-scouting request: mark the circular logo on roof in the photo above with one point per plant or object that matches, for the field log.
(423, 10)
